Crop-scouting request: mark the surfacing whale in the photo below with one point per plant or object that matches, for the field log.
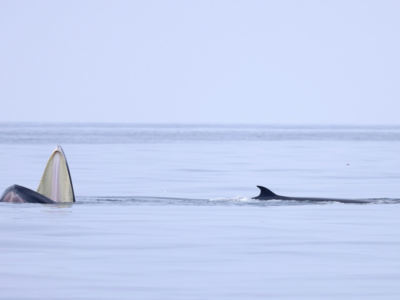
(54, 187)
(266, 194)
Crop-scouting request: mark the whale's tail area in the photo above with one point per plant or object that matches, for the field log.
(56, 182)
(265, 193)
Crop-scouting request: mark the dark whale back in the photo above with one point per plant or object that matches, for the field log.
(266, 194)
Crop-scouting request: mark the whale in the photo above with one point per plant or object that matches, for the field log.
(266, 194)
(55, 185)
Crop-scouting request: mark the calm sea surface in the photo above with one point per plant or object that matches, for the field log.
(165, 212)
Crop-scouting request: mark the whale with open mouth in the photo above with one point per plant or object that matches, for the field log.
(54, 187)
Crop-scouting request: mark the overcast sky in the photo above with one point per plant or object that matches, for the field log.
(322, 62)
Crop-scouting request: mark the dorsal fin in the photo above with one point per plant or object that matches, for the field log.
(264, 192)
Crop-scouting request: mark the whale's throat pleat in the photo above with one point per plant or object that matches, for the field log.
(55, 179)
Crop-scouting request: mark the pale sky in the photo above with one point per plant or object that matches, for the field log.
(287, 62)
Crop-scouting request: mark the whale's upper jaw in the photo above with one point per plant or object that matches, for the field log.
(10, 195)
(20, 194)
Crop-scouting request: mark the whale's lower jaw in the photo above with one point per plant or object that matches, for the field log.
(56, 182)
(20, 194)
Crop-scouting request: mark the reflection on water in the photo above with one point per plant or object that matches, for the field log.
(59, 207)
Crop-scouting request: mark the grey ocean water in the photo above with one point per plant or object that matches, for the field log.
(165, 212)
